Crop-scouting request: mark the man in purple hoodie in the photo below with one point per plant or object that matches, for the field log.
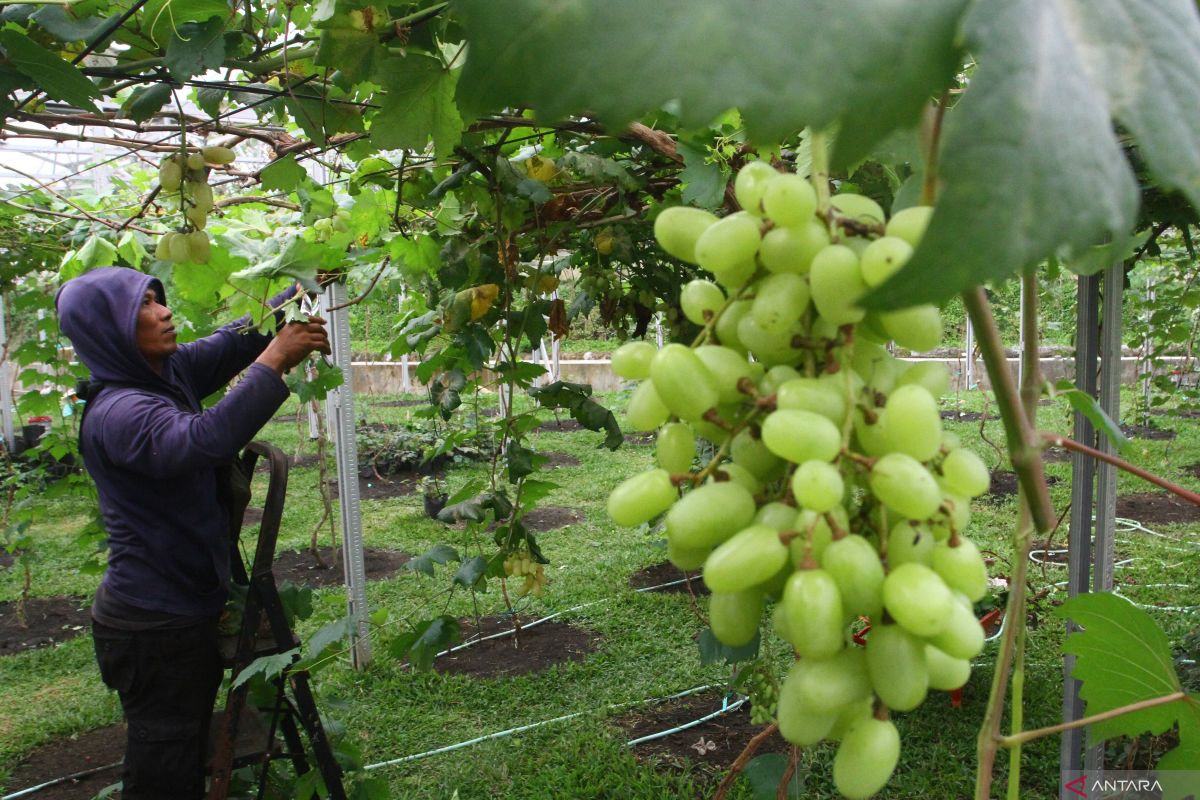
(155, 456)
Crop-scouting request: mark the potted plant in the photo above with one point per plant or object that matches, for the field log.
(434, 492)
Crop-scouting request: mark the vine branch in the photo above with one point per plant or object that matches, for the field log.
(1066, 443)
(1017, 740)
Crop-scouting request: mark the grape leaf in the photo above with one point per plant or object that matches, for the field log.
(783, 64)
(162, 18)
(53, 75)
(1085, 404)
(1121, 657)
(419, 103)
(196, 47)
(59, 22)
(471, 571)
(703, 183)
(351, 50)
(766, 771)
(282, 175)
(438, 554)
(145, 101)
(1031, 136)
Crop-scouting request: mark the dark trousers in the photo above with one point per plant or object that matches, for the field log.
(167, 680)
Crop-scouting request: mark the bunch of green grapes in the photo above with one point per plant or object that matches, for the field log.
(188, 175)
(760, 686)
(325, 227)
(834, 495)
(522, 565)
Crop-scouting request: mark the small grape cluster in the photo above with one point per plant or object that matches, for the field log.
(188, 175)
(323, 228)
(523, 565)
(763, 690)
(834, 493)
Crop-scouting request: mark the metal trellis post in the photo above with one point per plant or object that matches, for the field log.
(6, 398)
(340, 412)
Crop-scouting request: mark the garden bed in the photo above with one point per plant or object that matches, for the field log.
(668, 578)
(48, 621)
(541, 647)
(1004, 484)
(301, 568)
(103, 747)
(1157, 508)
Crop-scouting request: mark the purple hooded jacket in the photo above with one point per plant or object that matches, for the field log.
(150, 448)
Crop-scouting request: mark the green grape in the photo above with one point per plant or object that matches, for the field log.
(872, 437)
(727, 366)
(683, 383)
(170, 176)
(195, 161)
(831, 683)
(162, 250)
(883, 258)
(951, 441)
(964, 473)
(877, 367)
(675, 447)
(793, 249)
(678, 228)
(962, 568)
(199, 248)
(197, 217)
(933, 375)
(631, 360)
(946, 672)
(687, 560)
(910, 224)
(780, 301)
(962, 635)
(770, 348)
(740, 475)
(748, 451)
(836, 283)
(910, 542)
(734, 617)
(798, 723)
(700, 300)
(822, 534)
(751, 557)
(845, 383)
(856, 569)
(801, 436)
(641, 498)
(917, 599)
(728, 243)
(866, 758)
(818, 485)
(709, 515)
(776, 377)
(645, 411)
(902, 483)
(814, 613)
(858, 207)
(751, 183)
(202, 196)
(789, 200)
(738, 275)
(727, 324)
(773, 586)
(179, 248)
(849, 716)
(217, 155)
(896, 664)
(959, 516)
(777, 515)
(918, 328)
(811, 394)
(914, 424)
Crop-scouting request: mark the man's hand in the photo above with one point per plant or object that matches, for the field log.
(293, 343)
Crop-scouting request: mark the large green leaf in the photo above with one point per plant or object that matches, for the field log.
(61, 21)
(162, 18)
(419, 104)
(52, 74)
(195, 48)
(784, 64)
(1030, 160)
(1121, 657)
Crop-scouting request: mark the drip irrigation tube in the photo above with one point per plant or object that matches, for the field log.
(56, 781)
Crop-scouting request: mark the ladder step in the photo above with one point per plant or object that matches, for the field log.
(251, 745)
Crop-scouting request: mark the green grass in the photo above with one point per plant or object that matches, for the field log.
(646, 650)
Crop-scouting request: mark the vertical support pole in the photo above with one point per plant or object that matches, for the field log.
(6, 398)
(658, 334)
(1146, 366)
(1083, 471)
(1021, 340)
(1106, 474)
(340, 412)
(969, 347)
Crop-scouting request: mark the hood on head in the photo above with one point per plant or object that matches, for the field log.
(98, 311)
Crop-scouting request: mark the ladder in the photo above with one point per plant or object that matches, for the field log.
(242, 738)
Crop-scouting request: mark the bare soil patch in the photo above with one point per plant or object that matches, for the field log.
(306, 460)
(301, 568)
(548, 518)
(710, 746)
(252, 516)
(668, 578)
(961, 416)
(48, 621)
(541, 647)
(86, 751)
(374, 488)
(640, 438)
(1191, 469)
(1004, 484)
(399, 403)
(1157, 507)
(1148, 432)
(560, 425)
(557, 460)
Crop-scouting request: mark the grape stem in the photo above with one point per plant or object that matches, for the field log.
(781, 793)
(1019, 739)
(1055, 440)
(859, 458)
(743, 758)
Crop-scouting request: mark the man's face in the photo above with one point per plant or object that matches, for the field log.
(155, 333)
